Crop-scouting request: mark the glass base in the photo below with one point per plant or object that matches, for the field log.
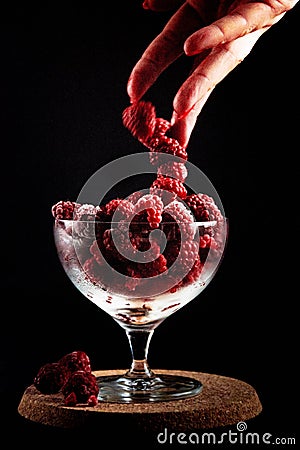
(159, 388)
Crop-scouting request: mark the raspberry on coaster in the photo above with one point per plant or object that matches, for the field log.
(50, 378)
(82, 384)
(77, 360)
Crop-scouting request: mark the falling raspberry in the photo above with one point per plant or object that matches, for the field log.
(173, 169)
(161, 127)
(169, 184)
(165, 145)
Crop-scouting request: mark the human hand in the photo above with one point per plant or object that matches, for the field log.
(219, 34)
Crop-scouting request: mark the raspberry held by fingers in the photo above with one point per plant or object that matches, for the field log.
(139, 118)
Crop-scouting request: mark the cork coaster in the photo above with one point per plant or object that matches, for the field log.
(222, 401)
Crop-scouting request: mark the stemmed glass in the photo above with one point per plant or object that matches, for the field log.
(143, 263)
(138, 304)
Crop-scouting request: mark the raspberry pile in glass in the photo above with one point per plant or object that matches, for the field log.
(166, 206)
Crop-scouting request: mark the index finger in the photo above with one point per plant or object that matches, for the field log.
(162, 51)
(244, 19)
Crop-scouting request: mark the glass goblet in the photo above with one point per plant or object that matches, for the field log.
(140, 300)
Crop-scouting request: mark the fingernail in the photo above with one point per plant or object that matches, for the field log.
(146, 4)
(174, 118)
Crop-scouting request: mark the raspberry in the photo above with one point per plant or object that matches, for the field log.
(192, 276)
(77, 360)
(194, 273)
(86, 212)
(149, 269)
(64, 210)
(109, 236)
(71, 399)
(203, 207)
(165, 144)
(205, 241)
(161, 127)
(122, 208)
(97, 253)
(180, 213)
(101, 214)
(50, 378)
(169, 184)
(82, 384)
(91, 269)
(139, 119)
(92, 401)
(173, 169)
(135, 196)
(153, 206)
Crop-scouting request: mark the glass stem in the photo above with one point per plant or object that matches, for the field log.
(139, 344)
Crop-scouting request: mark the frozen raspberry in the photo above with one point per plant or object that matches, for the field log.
(184, 252)
(161, 127)
(82, 384)
(173, 169)
(194, 273)
(139, 119)
(122, 208)
(86, 212)
(203, 207)
(97, 253)
(50, 378)
(123, 212)
(64, 210)
(169, 184)
(205, 241)
(153, 206)
(93, 400)
(165, 144)
(179, 213)
(71, 399)
(149, 269)
(77, 360)
(135, 196)
(109, 238)
(192, 276)
(101, 214)
(92, 272)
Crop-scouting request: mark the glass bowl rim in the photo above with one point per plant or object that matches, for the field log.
(207, 223)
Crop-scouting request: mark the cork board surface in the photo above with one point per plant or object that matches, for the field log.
(222, 401)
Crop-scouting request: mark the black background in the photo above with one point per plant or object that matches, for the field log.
(63, 89)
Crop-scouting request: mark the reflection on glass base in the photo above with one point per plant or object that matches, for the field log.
(160, 388)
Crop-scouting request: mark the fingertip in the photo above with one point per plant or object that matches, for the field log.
(145, 4)
(204, 39)
(179, 130)
(131, 92)
(189, 48)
